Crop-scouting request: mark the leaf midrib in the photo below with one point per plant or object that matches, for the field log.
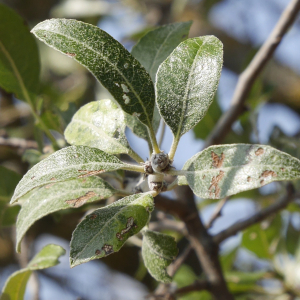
(185, 100)
(108, 61)
(107, 223)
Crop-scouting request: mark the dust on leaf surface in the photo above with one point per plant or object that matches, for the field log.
(117, 70)
(187, 81)
(68, 163)
(158, 251)
(61, 195)
(14, 288)
(241, 169)
(106, 230)
(100, 124)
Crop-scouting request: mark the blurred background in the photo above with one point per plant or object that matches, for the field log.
(272, 117)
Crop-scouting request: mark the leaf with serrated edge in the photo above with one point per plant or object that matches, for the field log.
(57, 196)
(19, 57)
(224, 170)
(117, 70)
(186, 82)
(106, 229)
(156, 45)
(15, 285)
(100, 124)
(69, 163)
(158, 251)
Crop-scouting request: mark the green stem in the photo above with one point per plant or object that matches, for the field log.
(153, 140)
(27, 98)
(172, 185)
(135, 156)
(173, 148)
(176, 172)
(162, 134)
(134, 168)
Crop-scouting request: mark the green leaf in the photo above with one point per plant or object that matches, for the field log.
(100, 124)
(8, 182)
(158, 251)
(156, 45)
(106, 229)
(19, 57)
(224, 170)
(186, 82)
(68, 163)
(263, 238)
(107, 59)
(57, 196)
(15, 285)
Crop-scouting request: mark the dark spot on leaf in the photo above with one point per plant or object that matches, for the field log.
(184, 36)
(259, 151)
(87, 173)
(116, 135)
(282, 169)
(71, 54)
(81, 200)
(93, 216)
(214, 187)
(97, 252)
(53, 179)
(108, 249)
(203, 177)
(32, 177)
(249, 178)
(262, 181)
(217, 160)
(268, 173)
(130, 224)
(119, 236)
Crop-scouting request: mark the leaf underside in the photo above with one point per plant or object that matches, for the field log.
(106, 229)
(224, 170)
(107, 59)
(158, 251)
(57, 196)
(100, 124)
(187, 81)
(68, 163)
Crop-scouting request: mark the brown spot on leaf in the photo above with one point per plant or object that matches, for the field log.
(259, 151)
(282, 169)
(81, 200)
(130, 224)
(217, 160)
(119, 236)
(214, 187)
(49, 185)
(53, 179)
(268, 173)
(253, 236)
(203, 177)
(97, 252)
(32, 177)
(87, 173)
(249, 178)
(262, 181)
(71, 54)
(108, 249)
(93, 216)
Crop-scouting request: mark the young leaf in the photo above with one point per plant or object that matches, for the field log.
(156, 45)
(19, 57)
(158, 251)
(100, 124)
(57, 196)
(107, 59)
(68, 163)
(15, 285)
(106, 230)
(224, 170)
(186, 82)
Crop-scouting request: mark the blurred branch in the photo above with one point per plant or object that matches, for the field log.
(18, 143)
(258, 217)
(198, 285)
(249, 75)
(167, 224)
(217, 213)
(172, 269)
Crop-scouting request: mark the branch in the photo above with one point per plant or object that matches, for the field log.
(217, 213)
(249, 75)
(172, 269)
(258, 217)
(18, 143)
(198, 285)
(167, 224)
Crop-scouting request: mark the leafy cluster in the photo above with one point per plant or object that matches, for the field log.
(165, 77)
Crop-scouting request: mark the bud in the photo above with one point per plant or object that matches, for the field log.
(160, 161)
(156, 182)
